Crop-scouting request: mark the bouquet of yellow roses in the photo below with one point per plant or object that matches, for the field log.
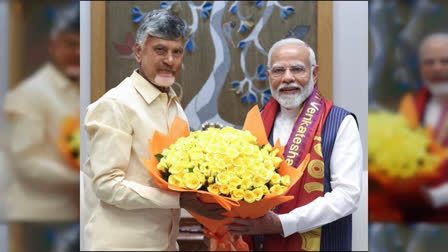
(402, 159)
(69, 141)
(224, 162)
(237, 169)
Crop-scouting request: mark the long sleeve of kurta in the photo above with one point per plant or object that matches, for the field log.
(110, 140)
(346, 167)
(36, 159)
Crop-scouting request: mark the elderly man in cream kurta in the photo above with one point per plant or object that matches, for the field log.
(43, 194)
(124, 209)
(45, 187)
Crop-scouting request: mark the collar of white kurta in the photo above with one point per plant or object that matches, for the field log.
(147, 90)
(59, 79)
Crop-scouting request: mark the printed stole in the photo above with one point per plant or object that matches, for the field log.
(305, 138)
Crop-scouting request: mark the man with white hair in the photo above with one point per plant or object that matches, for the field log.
(125, 209)
(319, 216)
(43, 196)
(431, 107)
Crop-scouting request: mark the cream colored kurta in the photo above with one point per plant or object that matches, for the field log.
(124, 209)
(44, 186)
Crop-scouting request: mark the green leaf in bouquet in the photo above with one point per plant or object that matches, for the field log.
(190, 169)
(165, 176)
(158, 156)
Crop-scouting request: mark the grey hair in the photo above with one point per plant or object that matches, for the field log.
(432, 37)
(288, 41)
(161, 23)
(66, 20)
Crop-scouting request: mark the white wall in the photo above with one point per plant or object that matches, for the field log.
(3, 88)
(84, 92)
(350, 73)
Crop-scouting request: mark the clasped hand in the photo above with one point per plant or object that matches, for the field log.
(191, 202)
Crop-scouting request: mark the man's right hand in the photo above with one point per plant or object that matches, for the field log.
(190, 201)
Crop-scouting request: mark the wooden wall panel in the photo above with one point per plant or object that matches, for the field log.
(325, 47)
(199, 63)
(16, 43)
(98, 49)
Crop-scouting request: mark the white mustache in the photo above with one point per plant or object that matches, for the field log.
(288, 85)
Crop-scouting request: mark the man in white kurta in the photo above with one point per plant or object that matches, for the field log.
(45, 187)
(43, 194)
(292, 76)
(124, 208)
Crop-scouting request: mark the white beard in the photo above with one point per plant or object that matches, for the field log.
(439, 89)
(291, 101)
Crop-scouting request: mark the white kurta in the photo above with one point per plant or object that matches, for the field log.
(432, 114)
(125, 209)
(345, 168)
(44, 187)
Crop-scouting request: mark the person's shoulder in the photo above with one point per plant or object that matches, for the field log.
(340, 114)
(116, 96)
(32, 83)
(339, 111)
(28, 94)
(123, 92)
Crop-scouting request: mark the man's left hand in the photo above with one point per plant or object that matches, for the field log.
(268, 224)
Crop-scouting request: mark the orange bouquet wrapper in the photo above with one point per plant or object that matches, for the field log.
(69, 126)
(220, 239)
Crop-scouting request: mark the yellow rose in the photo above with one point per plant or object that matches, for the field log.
(232, 153)
(231, 169)
(192, 181)
(162, 165)
(213, 188)
(196, 156)
(220, 164)
(275, 179)
(247, 174)
(246, 183)
(247, 150)
(238, 162)
(200, 176)
(268, 164)
(258, 192)
(276, 161)
(277, 189)
(267, 147)
(265, 189)
(210, 180)
(213, 148)
(224, 189)
(176, 169)
(265, 174)
(237, 194)
(258, 181)
(176, 180)
(222, 178)
(285, 180)
(204, 169)
(165, 152)
(234, 180)
(249, 196)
